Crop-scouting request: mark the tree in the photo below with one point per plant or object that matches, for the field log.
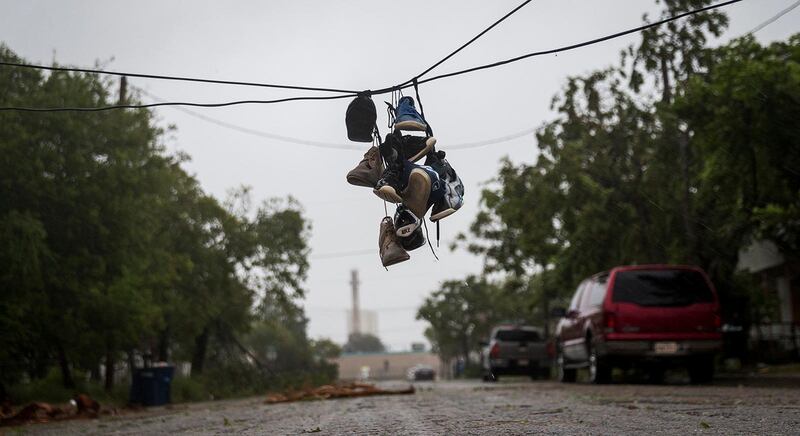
(363, 343)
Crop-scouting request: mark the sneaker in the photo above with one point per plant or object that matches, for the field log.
(368, 171)
(388, 187)
(407, 117)
(391, 251)
(405, 222)
(416, 147)
(418, 190)
(413, 241)
(453, 196)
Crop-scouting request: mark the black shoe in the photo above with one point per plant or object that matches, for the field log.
(413, 241)
(453, 198)
(389, 187)
(415, 148)
(405, 222)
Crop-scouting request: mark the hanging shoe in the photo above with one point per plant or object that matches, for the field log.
(418, 190)
(389, 186)
(453, 196)
(413, 241)
(407, 117)
(368, 171)
(405, 222)
(391, 251)
(416, 147)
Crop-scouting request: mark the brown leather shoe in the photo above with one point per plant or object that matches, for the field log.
(389, 246)
(368, 171)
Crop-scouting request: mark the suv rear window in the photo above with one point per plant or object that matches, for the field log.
(661, 288)
(517, 336)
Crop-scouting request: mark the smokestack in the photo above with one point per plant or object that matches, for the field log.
(356, 311)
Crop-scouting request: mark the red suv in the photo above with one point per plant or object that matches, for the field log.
(649, 315)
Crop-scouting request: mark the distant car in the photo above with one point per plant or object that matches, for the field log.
(516, 350)
(421, 372)
(654, 316)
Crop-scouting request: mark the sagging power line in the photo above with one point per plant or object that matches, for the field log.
(415, 81)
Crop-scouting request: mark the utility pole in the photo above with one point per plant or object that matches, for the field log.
(356, 310)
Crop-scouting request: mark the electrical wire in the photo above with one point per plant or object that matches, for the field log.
(178, 78)
(523, 4)
(414, 81)
(580, 44)
(150, 105)
(332, 145)
(775, 18)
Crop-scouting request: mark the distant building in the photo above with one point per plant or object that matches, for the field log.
(368, 322)
(383, 366)
(779, 274)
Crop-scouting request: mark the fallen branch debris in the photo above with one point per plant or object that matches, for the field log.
(84, 407)
(325, 392)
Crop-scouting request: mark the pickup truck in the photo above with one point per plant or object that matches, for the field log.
(516, 350)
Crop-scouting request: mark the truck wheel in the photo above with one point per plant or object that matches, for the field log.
(701, 370)
(565, 375)
(599, 371)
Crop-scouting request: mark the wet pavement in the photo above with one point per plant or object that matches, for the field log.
(512, 406)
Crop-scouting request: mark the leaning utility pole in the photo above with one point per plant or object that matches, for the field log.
(356, 311)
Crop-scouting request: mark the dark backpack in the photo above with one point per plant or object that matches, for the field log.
(360, 119)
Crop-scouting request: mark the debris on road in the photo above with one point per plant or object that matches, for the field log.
(37, 412)
(325, 392)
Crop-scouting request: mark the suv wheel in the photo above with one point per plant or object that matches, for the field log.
(565, 375)
(701, 370)
(599, 371)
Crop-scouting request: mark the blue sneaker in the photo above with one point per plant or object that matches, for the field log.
(407, 117)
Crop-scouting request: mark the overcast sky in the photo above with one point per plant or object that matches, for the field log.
(364, 44)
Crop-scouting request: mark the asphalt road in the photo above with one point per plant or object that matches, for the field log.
(769, 406)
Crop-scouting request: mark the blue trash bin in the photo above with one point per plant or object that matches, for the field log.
(151, 386)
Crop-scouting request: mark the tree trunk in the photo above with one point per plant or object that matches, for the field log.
(163, 346)
(110, 362)
(199, 355)
(94, 373)
(66, 372)
(686, 201)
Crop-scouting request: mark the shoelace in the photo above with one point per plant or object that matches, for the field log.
(391, 113)
(427, 236)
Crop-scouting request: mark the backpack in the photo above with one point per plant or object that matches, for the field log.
(360, 118)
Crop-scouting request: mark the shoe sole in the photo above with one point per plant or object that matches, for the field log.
(429, 143)
(443, 214)
(415, 196)
(411, 125)
(388, 193)
(358, 181)
(396, 260)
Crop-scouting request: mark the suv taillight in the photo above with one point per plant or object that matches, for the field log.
(717, 321)
(610, 322)
(495, 351)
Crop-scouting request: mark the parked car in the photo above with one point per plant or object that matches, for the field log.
(656, 316)
(421, 372)
(516, 350)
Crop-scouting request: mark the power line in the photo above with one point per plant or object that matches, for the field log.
(580, 44)
(349, 94)
(150, 105)
(332, 145)
(177, 78)
(775, 18)
(472, 40)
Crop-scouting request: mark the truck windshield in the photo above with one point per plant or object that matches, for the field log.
(661, 288)
(517, 336)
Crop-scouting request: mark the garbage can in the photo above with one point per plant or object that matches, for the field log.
(150, 386)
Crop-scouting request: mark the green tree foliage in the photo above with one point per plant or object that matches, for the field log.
(111, 251)
(363, 343)
(462, 313)
(681, 154)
